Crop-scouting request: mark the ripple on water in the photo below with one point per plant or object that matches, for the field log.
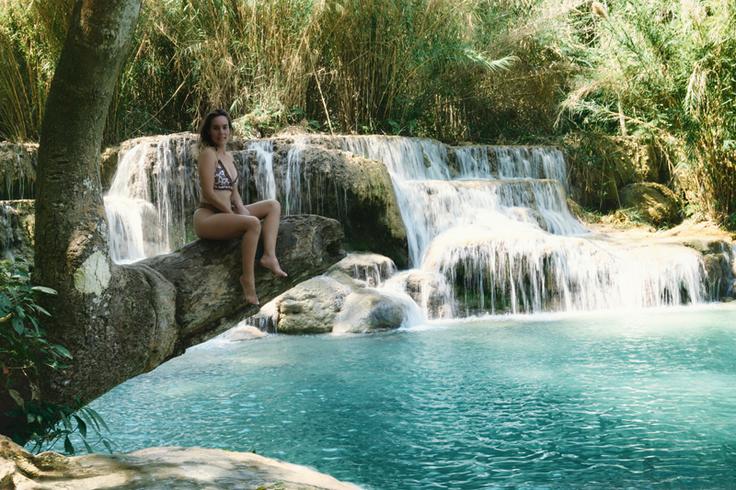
(642, 400)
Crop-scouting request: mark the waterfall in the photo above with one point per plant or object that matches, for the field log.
(265, 180)
(150, 199)
(494, 222)
(488, 227)
(292, 190)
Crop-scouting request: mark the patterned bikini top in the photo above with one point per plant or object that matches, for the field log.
(223, 182)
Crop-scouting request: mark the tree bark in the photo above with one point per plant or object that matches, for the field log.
(71, 234)
(120, 321)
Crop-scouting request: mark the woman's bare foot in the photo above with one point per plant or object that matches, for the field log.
(249, 291)
(271, 263)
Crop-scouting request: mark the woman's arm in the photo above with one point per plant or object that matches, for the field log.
(237, 202)
(206, 164)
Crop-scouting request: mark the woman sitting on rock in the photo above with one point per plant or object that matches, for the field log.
(222, 215)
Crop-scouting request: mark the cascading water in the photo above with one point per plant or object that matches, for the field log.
(488, 228)
(265, 180)
(150, 198)
(496, 223)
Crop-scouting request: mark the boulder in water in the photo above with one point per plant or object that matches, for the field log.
(655, 203)
(311, 307)
(429, 290)
(369, 309)
(338, 301)
(371, 268)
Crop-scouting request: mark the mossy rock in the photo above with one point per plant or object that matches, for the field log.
(653, 203)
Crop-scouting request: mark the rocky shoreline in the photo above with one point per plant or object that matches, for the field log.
(156, 468)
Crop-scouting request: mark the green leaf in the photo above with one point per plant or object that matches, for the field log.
(41, 310)
(18, 325)
(98, 418)
(81, 426)
(68, 447)
(61, 350)
(107, 445)
(44, 289)
(17, 398)
(87, 446)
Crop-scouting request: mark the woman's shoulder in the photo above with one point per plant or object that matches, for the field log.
(207, 154)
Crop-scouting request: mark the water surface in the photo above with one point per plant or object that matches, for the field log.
(631, 400)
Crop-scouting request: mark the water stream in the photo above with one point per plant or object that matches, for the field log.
(492, 222)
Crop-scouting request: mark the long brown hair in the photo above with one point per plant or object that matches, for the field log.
(204, 130)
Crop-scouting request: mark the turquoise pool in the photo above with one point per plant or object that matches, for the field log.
(644, 399)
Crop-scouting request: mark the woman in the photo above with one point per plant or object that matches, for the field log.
(222, 214)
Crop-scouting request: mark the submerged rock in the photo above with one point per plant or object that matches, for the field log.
(653, 202)
(160, 467)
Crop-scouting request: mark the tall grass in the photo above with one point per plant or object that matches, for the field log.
(399, 66)
(646, 80)
(661, 74)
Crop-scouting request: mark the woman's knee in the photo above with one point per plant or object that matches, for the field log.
(251, 223)
(274, 205)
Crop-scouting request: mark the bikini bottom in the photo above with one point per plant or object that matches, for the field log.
(206, 205)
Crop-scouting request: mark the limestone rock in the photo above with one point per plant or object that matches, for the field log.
(17, 220)
(369, 309)
(161, 467)
(311, 307)
(429, 290)
(320, 305)
(371, 268)
(654, 202)
(18, 170)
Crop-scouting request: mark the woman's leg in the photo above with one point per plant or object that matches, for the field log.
(223, 226)
(270, 212)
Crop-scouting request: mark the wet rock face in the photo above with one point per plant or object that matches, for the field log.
(340, 301)
(17, 222)
(354, 190)
(161, 467)
(18, 170)
(368, 310)
(655, 203)
(371, 268)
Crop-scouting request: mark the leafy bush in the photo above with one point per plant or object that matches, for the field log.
(25, 353)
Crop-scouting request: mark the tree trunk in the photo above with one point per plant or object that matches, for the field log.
(120, 321)
(71, 233)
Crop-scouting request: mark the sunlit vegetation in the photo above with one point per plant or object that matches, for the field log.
(634, 90)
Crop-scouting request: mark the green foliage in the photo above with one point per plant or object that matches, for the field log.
(658, 73)
(31, 36)
(397, 66)
(25, 354)
(632, 77)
